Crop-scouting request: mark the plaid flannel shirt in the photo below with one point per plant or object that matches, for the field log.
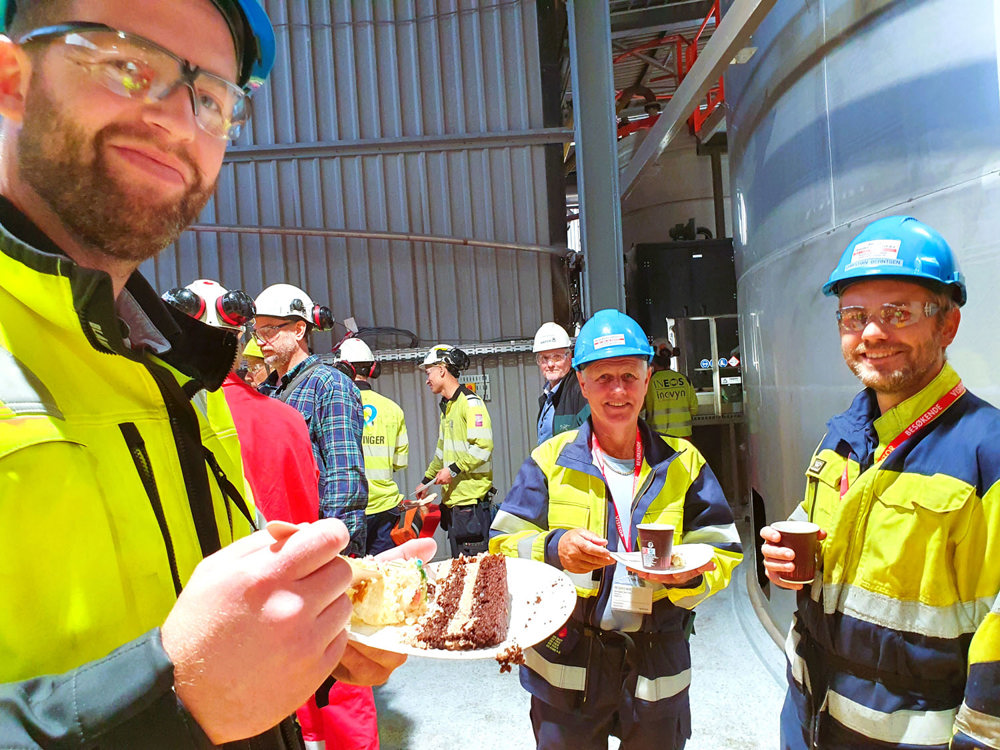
(333, 410)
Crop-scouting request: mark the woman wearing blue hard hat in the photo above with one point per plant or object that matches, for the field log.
(621, 666)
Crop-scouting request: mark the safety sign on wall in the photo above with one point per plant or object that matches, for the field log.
(478, 384)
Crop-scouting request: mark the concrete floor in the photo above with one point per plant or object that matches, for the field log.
(736, 691)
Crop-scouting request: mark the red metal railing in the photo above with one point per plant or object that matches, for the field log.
(685, 55)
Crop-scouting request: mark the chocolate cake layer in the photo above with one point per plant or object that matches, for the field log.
(472, 608)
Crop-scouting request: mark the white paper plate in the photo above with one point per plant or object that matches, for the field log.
(692, 556)
(541, 600)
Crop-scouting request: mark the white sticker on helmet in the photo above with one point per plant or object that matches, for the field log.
(612, 339)
(875, 253)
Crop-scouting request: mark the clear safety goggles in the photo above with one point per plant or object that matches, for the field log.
(551, 358)
(136, 68)
(892, 315)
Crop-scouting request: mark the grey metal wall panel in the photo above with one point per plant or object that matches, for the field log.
(849, 112)
(372, 72)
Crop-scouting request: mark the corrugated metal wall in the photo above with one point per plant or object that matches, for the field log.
(408, 116)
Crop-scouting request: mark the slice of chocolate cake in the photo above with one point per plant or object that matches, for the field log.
(472, 606)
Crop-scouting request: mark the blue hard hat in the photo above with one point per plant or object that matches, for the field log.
(899, 247)
(610, 333)
(248, 23)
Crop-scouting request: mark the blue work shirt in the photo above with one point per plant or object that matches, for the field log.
(548, 412)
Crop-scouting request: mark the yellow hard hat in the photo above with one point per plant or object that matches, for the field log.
(252, 349)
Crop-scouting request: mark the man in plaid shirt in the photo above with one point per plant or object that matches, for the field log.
(326, 398)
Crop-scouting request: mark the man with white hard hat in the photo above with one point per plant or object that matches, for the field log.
(385, 443)
(462, 462)
(561, 406)
(329, 402)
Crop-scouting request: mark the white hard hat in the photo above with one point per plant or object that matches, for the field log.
(355, 350)
(450, 356)
(287, 301)
(210, 302)
(551, 336)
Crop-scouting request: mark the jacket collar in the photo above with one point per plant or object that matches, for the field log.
(362, 385)
(576, 454)
(454, 397)
(863, 428)
(82, 299)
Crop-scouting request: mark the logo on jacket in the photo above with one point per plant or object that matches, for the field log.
(479, 420)
(370, 413)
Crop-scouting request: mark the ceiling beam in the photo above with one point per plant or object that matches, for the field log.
(733, 32)
(646, 20)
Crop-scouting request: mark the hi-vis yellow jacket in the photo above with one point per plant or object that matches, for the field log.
(670, 404)
(465, 445)
(385, 447)
(557, 489)
(908, 574)
(114, 483)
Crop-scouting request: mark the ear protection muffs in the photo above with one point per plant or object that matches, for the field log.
(346, 367)
(375, 370)
(320, 316)
(235, 308)
(186, 301)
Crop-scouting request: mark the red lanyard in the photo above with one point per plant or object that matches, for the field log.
(919, 423)
(598, 454)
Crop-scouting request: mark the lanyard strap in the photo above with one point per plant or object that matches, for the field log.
(598, 454)
(936, 410)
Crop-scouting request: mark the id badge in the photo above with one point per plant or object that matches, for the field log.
(633, 596)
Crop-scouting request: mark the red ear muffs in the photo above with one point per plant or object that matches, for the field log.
(346, 367)
(375, 370)
(235, 308)
(322, 317)
(186, 301)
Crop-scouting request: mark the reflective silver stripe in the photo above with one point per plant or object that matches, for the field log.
(22, 391)
(378, 475)
(899, 727)
(979, 726)
(689, 601)
(480, 454)
(796, 662)
(558, 675)
(526, 547)
(508, 523)
(479, 433)
(908, 616)
(662, 687)
(713, 535)
(378, 451)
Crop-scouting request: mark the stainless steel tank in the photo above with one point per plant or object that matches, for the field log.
(847, 112)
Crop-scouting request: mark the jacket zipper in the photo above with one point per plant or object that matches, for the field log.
(140, 457)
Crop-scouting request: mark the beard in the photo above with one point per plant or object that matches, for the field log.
(908, 378)
(70, 172)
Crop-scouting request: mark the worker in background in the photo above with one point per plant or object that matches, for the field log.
(671, 402)
(385, 444)
(905, 487)
(254, 369)
(274, 440)
(137, 606)
(621, 666)
(462, 465)
(331, 405)
(561, 406)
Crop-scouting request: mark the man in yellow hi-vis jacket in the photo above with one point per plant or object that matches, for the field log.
(621, 665)
(905, 488)
(462, 462)
(384, 443)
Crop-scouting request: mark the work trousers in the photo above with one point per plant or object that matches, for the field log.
(558, 730)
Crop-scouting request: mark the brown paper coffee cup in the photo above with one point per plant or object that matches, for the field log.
(800, 537)
(656, 540)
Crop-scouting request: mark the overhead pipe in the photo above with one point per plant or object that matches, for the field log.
(559, 250)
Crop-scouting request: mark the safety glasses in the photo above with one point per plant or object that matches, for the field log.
(892, 315)
(267, 333)
(136, 68)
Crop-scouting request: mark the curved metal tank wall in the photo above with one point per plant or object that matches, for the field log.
(850, 111)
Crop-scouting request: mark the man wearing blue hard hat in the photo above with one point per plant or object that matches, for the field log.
(137, 606)
(893, 644)
(621, 666)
